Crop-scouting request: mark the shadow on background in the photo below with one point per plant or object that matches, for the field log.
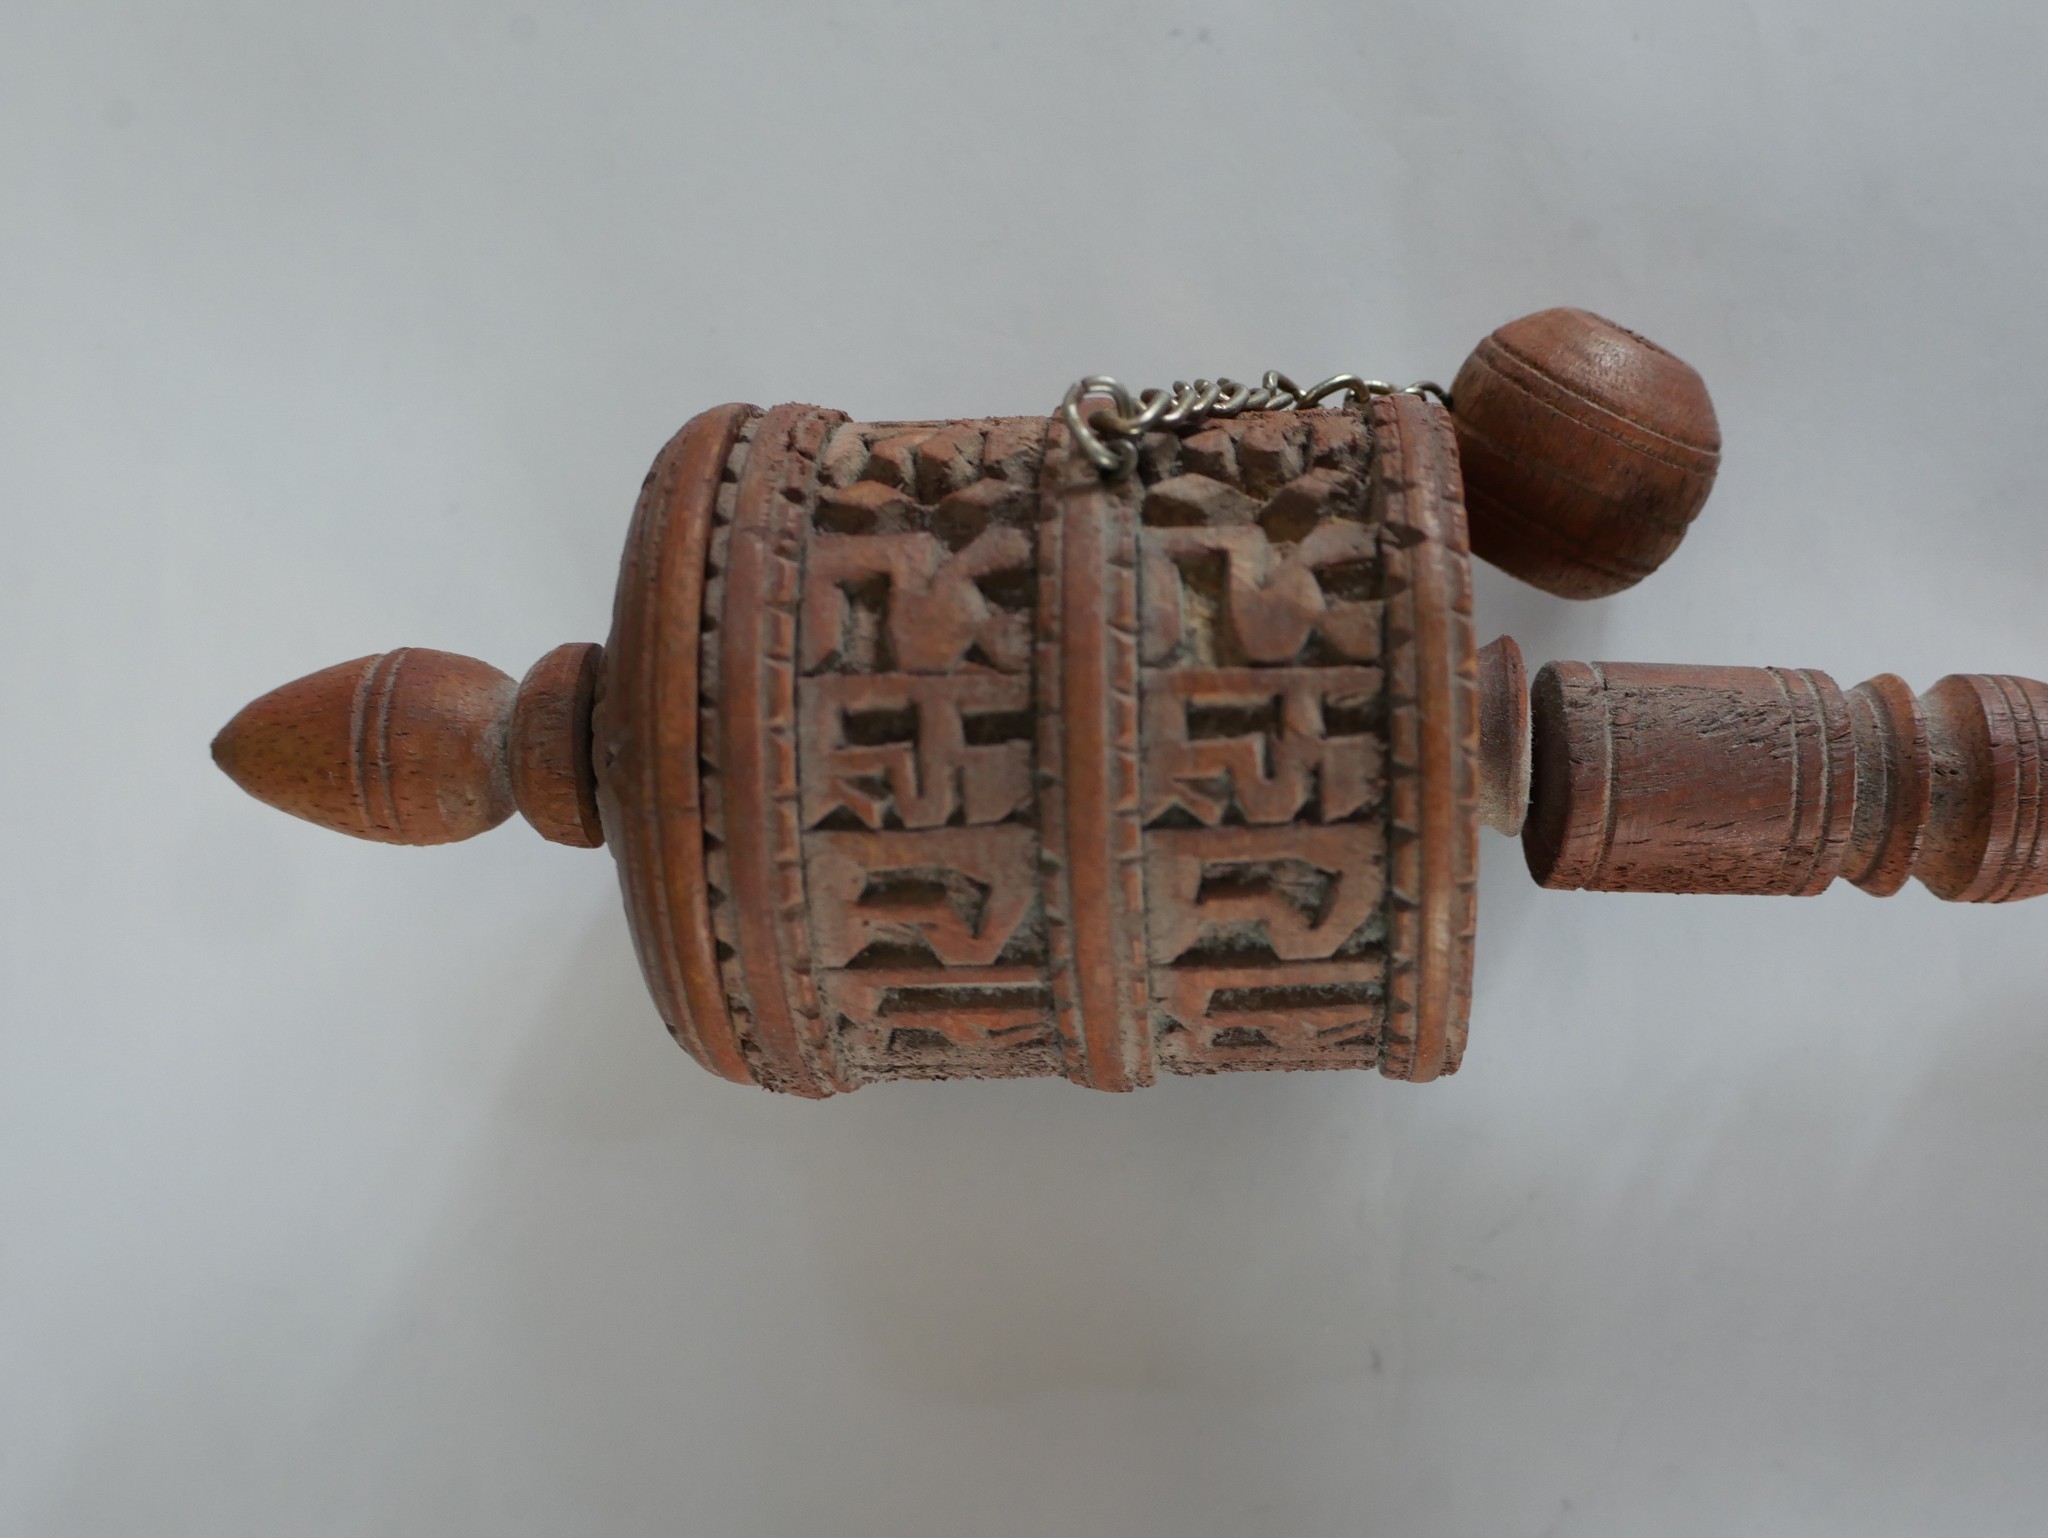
(648, 1285)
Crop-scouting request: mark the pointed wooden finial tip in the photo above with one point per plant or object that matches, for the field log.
(425, 747)
(406, 747)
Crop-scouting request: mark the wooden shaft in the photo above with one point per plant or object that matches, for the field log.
(1774, 781)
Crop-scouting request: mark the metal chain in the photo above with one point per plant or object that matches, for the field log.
(1188, 406)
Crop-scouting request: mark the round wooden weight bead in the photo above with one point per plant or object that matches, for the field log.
(417, 746)
(1587, 451)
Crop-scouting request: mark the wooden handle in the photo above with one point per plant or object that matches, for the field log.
(425, 747)
(1651, 778)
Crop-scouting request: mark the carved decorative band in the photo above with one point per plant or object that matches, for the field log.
(916, 741)
(1088, 754)
(645, 735)
(1433, 739)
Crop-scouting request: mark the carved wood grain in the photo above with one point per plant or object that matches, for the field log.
(1433, 738)
(405, 747)
(917, 750)
(645, 738)
(553, 775)
(1264, 746)
(1773, 782)
(1587, 451)
(1088, 748)
(858, 806)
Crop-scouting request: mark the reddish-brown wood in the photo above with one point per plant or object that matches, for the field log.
(553, 779)
(926, 781)
(1433, 740)
(1773, 781)
(927, 751)
(406, 747)
(646, 728)
(1894, 783)
(1503, 736)
(1266, 639)
(1984, 840)
(1004, 769)
(1088, 728)
(1587, 451)
(1210, 703)
(769, 979)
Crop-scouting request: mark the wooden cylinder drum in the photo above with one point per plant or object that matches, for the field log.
(925, 751)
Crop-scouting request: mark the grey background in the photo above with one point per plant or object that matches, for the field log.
(348, 1190)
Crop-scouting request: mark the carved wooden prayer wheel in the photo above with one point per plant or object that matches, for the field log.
(931, 750)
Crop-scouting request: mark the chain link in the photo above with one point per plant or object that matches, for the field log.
(1109, 438)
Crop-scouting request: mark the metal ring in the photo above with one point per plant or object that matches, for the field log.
(1111, 462)
(1186, 407)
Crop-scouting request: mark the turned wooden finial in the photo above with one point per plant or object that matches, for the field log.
(425, 747)
(1587, 451)
(1657, 778)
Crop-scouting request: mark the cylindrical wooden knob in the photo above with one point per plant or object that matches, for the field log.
(1587, 451)
(425, 747)
(1775, 781)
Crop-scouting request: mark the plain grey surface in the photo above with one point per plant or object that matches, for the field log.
(350, 1190)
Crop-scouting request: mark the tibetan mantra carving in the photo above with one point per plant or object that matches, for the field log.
(936, 750)
(970, 762)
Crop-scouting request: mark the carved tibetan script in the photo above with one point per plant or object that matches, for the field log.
(1262, 719)
(1264, 725)
(916, 743)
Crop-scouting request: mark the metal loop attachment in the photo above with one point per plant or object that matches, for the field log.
(1109, 438)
